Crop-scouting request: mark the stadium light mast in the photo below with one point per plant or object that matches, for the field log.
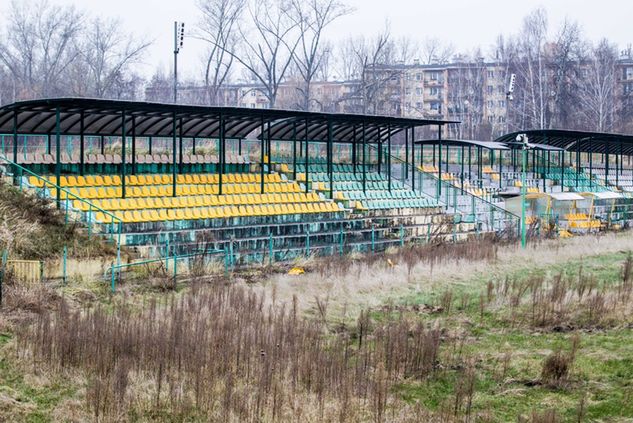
(179, 35)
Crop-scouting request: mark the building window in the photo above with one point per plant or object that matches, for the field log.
(491, 74)
(407, 91)
(434, 91)
(418, 91)
(502, 104)
(491, 119)
(491, 104)
(490, 89)
(500, 89)
(418, 76)
(628, 73)
(253, 94)
(418, 105)
(435, 106)
(434, 76)
(501, 119)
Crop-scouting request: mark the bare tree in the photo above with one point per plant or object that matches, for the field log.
(565, 59)
(267, 50)
(218, 27)
(109, 53)
(311, 18)
(434, 51)
(374, 59)
(39, 46)
(532, 67)
(597, 93)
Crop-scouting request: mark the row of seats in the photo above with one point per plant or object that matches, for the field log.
(167, 190)
(160, 215)
(140, 159)
(379, 195)
(394, 204)
(152, 179)
(197, 201)
(358, 186)
(321, 168)
(340, 177)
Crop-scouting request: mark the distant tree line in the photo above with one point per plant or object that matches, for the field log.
(563, 79)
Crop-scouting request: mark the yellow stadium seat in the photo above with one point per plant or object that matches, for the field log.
(89, 180)
(116, 179)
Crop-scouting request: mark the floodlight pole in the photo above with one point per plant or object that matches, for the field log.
(175, 62)
(178, 39)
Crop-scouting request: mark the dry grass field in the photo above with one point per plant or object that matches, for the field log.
(474, 332)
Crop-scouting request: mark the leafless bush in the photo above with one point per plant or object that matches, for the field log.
(221, 353)
(563, 302)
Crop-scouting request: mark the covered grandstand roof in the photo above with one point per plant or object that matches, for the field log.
(490, 145)
(106, 117)
(583, 141)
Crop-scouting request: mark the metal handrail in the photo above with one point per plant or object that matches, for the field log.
(448, 186)
(91, 206)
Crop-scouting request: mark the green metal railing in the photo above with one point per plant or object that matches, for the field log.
(114, 227)
(487, 215)
(115, 269)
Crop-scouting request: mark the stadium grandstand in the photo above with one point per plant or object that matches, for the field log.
(166, 179)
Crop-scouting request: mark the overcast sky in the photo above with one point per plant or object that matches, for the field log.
(464, 23)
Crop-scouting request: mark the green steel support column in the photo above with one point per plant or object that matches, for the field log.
(354, 153)
(15, 142)
(577, 163)
(261, 151)
(294, 150)
(523, 166)
(149, 145)
(58, 140)
(364, 160)
(82, 146)
(193, 146)
(180, 145)
(379, 146)
(434, 164)
(470, 162)
(461, 160)
(329, 156)
(307, 161)
(269, 145)
(222, 158)
(406, 154)
(48, 144)
(123, 153)
(102, 144)
(439, 163)
(239, 146)
(173, 154)
(618, 162)
(561, 161)
(479, 166)
(133, 145)
(389, 157)
(606, 161)
(413, 157)
(590, 164)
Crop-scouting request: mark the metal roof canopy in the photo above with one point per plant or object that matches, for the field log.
(583, 141)
(490, 145)
(105, 117)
